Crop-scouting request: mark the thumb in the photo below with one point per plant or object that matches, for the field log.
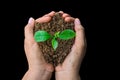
(77, 52)
(29, 29)
(78, 49)
(80, 38)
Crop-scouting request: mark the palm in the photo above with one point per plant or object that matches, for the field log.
(32, 50)
(74, 58)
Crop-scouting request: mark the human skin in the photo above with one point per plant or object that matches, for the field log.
(69, 69)
(40, 70)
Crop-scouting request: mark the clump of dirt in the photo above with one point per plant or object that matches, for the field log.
(57, 23)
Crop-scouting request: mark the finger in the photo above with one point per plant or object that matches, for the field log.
(61, 12)
(29, 29)
(51, 14)
(43, 19)
(68, 19)
(49, 67)
(46, 18)
(58, 67)
(65, 15)
(80, 38)
(76, 55)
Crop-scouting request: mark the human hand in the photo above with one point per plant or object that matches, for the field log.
(69, 69)
(38, 68)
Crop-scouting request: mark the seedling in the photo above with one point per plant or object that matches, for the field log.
(41, 36)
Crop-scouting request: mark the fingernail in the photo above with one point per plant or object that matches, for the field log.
(77, 21)
(30, 20)
(60, 11)
(52, 12)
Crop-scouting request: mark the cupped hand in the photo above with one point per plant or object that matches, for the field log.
(38, 69)
(69, 69)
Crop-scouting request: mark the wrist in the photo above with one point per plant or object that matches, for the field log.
(34, 74)
(67, 75)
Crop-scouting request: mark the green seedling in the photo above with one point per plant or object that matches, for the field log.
(41, 36)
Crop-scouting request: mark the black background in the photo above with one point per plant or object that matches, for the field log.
(94, 17)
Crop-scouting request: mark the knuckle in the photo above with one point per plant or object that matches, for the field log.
(81, 28)
(25, 28)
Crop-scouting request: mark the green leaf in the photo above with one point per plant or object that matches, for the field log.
(54, 43)
(56, 35)
(67, 34)
(41, 36)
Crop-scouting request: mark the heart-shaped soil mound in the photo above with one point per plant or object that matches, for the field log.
(56, 24)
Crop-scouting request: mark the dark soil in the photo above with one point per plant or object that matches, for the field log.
(56, 24)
